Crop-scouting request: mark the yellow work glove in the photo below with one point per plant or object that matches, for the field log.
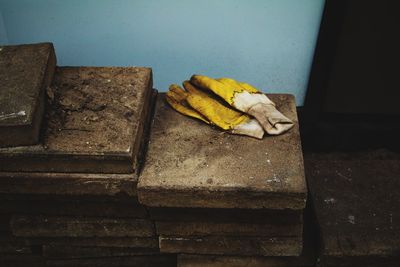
(247, 99)
(201, 105)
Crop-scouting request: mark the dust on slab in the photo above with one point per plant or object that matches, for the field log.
(188, 155)
(93, 110)
(22, 70)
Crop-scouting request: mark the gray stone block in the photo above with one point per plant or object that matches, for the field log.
(68, 184)
(127, 208)
(22, 260)
(25, 73)
(282, 217)
(13, 245)
(80, 252)
(190, 164)
(356, 202)
(142, 261)
(57, 226)
(229, 245)
(241, 261)
(115, 242)
(94, 124)
(184, 229)
(5, 222)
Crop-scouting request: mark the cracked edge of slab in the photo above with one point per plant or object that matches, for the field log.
(28, 132)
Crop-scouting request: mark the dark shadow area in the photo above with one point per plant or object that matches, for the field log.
(352, 98)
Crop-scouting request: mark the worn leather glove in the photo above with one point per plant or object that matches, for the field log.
(247, 99)
(201, 105)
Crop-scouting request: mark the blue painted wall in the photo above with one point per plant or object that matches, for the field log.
(3, 32)
(268, 43)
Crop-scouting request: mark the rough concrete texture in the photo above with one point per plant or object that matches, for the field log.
(238, 261)
(13, 245)
(185, 229)
(94, 123)
(307, 257)
(190, 164)
(25, 73)
(116, 242)
(68, 184)
(261, 216)
(80, 252)
(228, 245)
(56, 226)
(4, 223)
(142, 261)
(127, 208)
(356, 202)
(10, 260)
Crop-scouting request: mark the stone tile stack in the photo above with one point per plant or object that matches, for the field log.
(71, 199)
(217, 194)
(355, 196)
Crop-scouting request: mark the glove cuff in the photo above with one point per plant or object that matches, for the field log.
(270, 118)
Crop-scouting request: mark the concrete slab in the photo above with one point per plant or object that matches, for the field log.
(22, 260)
(13, 245)
(282, 217)
(81, 252)
(115, 242)
(57, 226)
(190, 164)
(94, 124)
(356, 202)
(307, 257)
(146, 260)
(25, 73)
(185, 229)
(68, 184)
(129, 208)
(241, 261)
(229, 245)
(5, 223)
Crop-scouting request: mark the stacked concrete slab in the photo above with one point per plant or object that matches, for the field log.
(356, 196)
(69, 198)
(211, 193)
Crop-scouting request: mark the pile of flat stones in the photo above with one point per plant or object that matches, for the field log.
(224, 200)
(72, 140)
(97, 170)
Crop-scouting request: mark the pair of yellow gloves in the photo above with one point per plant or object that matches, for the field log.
(233, 106)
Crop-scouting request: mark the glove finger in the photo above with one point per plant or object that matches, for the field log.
(222, 116)
(177, 99)
(226, 92)
(242, 86)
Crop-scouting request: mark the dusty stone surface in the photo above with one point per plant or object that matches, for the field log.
(126, 208)
(229, 245)
(68, 184)
(115, 242)
(79, 252)
(356, 201)
(307, 257)
(4, 223)
(25, 73)
(282, 217)
(190, 164)
(57, 226)
(95, 123)
(185, 229)
(13, 245)
(238, 261)
(17, 260)
(145, 261)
